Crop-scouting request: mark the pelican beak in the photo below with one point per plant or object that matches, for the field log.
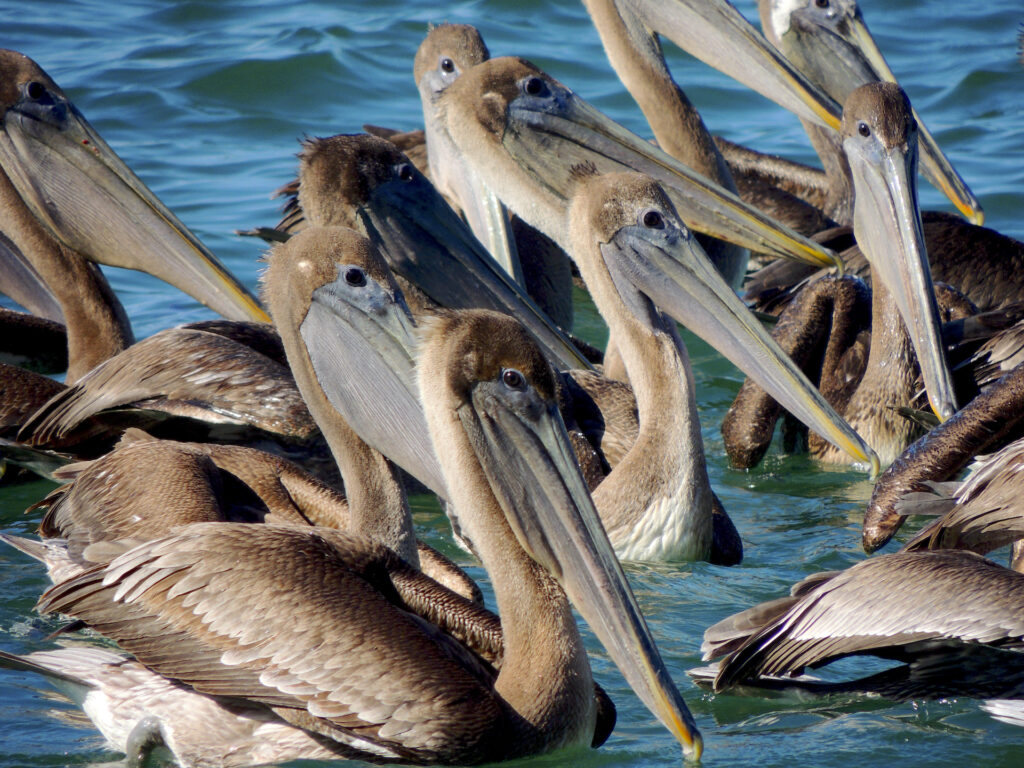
(522, 446)
(844, 56)
(717, 34)
(669, 267)
(25, 285)
(887, 225)
(83, 193)
(362, 351)
(556, 133)
(484, 212)
(427, 243)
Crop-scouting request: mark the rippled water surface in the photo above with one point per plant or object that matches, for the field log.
(206, 101)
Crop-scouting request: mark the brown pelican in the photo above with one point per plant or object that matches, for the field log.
(634, 51)
(55, 166)
(366, 183)
(828, 41)
(68, 202)
(953, 617)
(657, 502)
(985, 425)
(309, 281)
(358, 651)
(880, 140)
(633, 251)
(522, 132)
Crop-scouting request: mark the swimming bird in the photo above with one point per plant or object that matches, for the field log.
(115, 497)
(383, 677)
(522, 132)
(987, 424)
(829, 42)
(951, 617)
(880, 140)
(67, 202)
(366, 183)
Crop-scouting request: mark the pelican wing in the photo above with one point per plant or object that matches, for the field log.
(882, 605)
(199, 372)
(304, 621)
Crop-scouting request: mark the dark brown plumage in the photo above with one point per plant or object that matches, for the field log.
(987, 423)
(866, 369)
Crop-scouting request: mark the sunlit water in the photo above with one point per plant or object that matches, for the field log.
(206, 101)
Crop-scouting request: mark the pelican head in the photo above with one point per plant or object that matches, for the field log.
(366, 183)
(447, 51)
(830, 43)
(657, 264)
(90, 201)
(525, 133)
(329, 287)
(489, 396)
(880, 140)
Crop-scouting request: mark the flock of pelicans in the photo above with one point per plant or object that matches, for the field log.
(270, 616)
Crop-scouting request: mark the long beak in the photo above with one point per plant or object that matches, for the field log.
(426, 243)
(717, 34)
(530, 465)
(89, 200)
(484, 212)
(887, 225)
(363, 357)
(20, 280)
(671, 269)
(550, 141)
(844, 57)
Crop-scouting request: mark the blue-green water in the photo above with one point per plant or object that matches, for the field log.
(205, 100)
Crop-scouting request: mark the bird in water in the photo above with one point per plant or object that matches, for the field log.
(880, 141)
(951, 617)
(645, 272)
(67, 203)
(522, 132)
(358, 654)
(922, 477)
(829, 42)
(113, 502)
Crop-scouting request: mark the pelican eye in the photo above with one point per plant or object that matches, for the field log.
(447, 65)
(513, 379)
(653, 220)
(405, 172)
(821, 3)
(35, 90)
(354, 276)
(863, 129)
(534, 86)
